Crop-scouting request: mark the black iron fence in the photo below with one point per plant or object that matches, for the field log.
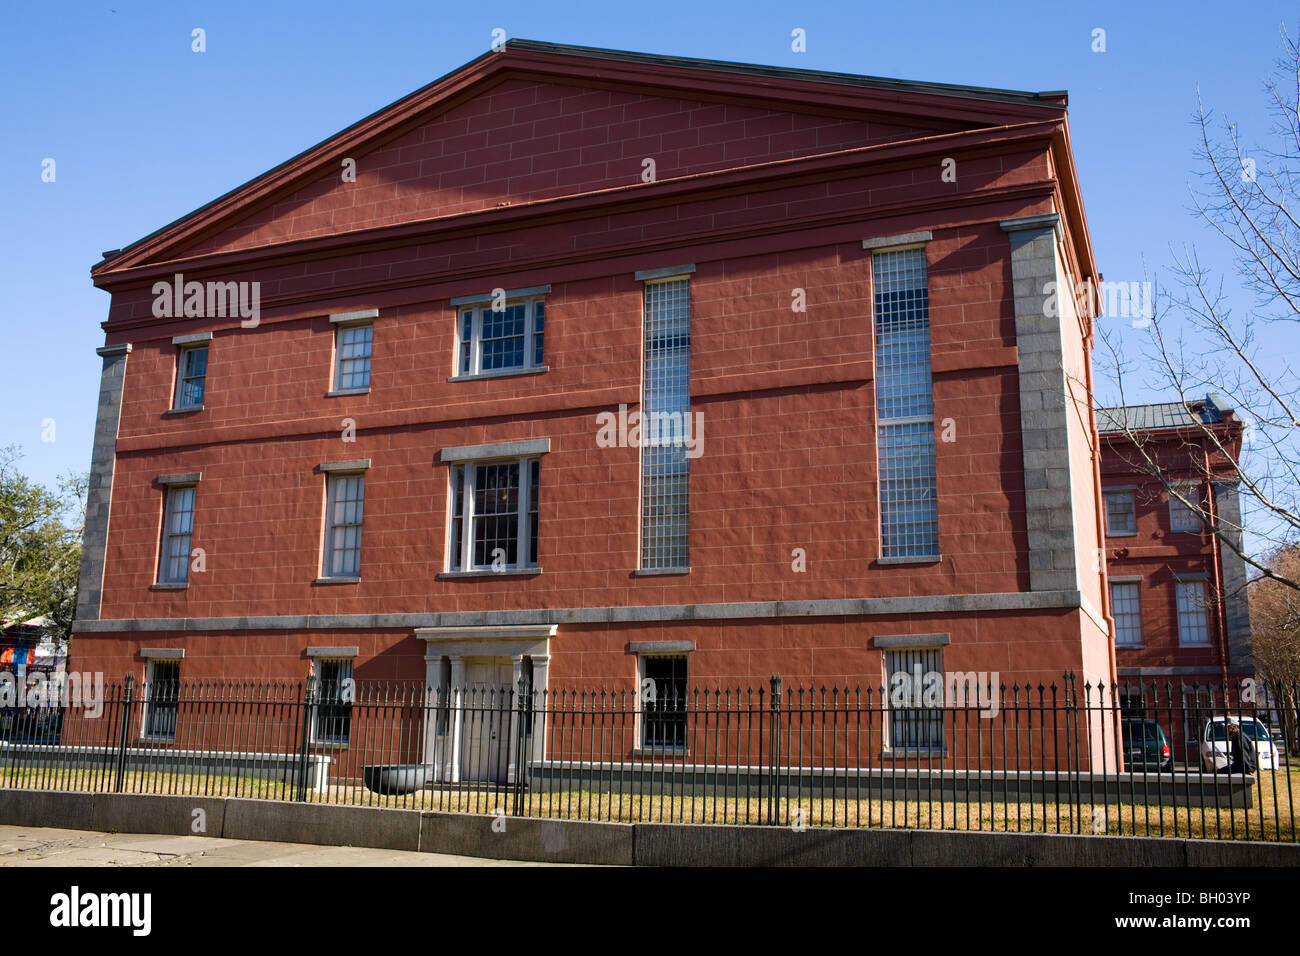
(937, 751)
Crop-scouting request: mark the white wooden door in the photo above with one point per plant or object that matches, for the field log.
(485, 716)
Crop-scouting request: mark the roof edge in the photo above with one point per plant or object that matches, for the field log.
(1051, 99)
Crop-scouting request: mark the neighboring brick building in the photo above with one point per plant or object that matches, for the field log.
(1178, 593)
(326, 483)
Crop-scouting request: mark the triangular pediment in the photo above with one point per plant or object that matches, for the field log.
(531, 124)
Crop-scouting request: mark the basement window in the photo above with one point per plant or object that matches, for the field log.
(663, 698)
(332, 713)
(915, 724)
(161, 699)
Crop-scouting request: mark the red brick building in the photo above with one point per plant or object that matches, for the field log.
(407, 454)
(1178, 593)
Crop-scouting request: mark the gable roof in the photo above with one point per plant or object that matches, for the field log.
(944, 106)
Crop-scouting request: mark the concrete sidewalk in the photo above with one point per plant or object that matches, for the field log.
(39, 846)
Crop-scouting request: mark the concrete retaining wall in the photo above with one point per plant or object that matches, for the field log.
(616, 844)
(1156, 789)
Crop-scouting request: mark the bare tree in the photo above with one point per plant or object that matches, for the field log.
(1275, 632)
(1196, 342)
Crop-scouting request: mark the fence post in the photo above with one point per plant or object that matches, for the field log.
(1073, 760)
(774, 751)
(308, 699)
(522, 697)
(123, 734)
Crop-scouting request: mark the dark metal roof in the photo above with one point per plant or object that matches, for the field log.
(1162, 415)
(781, 72)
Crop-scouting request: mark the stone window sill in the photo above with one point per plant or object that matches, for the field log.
(337, 581)
(921, 559)
(341, 392)
(658, 572)
(185, 411)
(915, 752)
(489, 573)
(179, 586)
(500, 373)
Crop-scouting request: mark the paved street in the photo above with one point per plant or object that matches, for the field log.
(38, 846)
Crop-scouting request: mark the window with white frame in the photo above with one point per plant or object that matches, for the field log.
(1126, 607)
(1121, 513)
(1193, 613)
(344, 511)
(352, 344)
(494, 509)
(663, 701)
(501, 336)
(161, 698)
(1181, 517)
(913, 671)
(665, 465)
(909, 507)
(178, 528)
(191, 376)
(332, 712)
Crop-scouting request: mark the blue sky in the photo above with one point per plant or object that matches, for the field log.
(143, 130)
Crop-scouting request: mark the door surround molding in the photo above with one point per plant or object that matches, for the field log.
(513, 642)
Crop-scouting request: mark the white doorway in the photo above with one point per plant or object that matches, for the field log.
(485, 713)
(467, 740)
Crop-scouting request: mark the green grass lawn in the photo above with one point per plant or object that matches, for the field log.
(1272, 817)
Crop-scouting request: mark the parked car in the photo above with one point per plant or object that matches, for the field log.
(1145, 745)
(1215, 755)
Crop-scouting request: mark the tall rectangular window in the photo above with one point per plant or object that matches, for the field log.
(508, 338)
(665, 471)
(494, 513)
(1121, 513)
(1193, 616)
(913, 726)
(191, 374)
(352, 348)
(178, 527)
(1181, 517)
(345, 509)
(1126, 607)
(162, 698)
(909, 508)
